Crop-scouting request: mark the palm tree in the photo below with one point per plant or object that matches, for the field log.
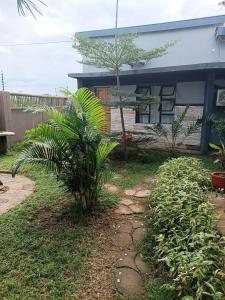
(71, 145)
(174, 134)
(28, 5)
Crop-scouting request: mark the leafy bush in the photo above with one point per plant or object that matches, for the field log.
(71, 146)
(218, 128)
(158, 290)
(183, 233)
(187, 168)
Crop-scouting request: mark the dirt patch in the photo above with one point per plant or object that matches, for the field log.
(219, 202)
(99, 268)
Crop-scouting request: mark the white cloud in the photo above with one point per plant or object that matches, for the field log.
(44, 68)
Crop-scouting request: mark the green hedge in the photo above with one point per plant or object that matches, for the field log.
(182, 233)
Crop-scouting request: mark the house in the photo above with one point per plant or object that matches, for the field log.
(192, 73)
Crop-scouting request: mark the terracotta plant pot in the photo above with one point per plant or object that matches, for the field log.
(218, 180)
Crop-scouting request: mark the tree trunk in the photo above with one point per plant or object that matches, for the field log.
(121, 115)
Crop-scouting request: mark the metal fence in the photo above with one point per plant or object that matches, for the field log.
(18, 100)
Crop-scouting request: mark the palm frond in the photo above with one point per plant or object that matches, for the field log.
(158, 130)
(177, 124)
(28, 6)
(103, 151)
(193, 127)
(89, 107)
(38, 153)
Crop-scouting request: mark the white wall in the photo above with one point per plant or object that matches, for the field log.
(194, 46)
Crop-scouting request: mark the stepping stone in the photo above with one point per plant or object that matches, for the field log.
(143, 193)
(123, 240)
(111, 188)
(137, 208)
(129, 282)
(141, 265)
(221, 226)
(125, 227)
(149, 179)
(138, 235)
(28, 187)
(130, 192)
(4, 200)
(137, 224)
(219, 214)
(127, 202)
(127, 260)
(123, 210)
(219, 201)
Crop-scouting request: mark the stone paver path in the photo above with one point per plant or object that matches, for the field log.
(111, 188)
(131, 270)
(138, 192)
(15, 191)
(129, 207)
(219, 202)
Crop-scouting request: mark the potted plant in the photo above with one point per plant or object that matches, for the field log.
(218, 178)
(129, 137)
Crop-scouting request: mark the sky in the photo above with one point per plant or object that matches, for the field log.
(43, 68)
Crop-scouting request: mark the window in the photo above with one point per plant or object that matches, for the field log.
(162, 112)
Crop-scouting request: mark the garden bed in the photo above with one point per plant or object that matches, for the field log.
(183, 236)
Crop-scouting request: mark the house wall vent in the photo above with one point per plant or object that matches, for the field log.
(220, 33)
(138, 64)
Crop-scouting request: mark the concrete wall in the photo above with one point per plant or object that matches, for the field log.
(194, 46)
(17, 120)
(22, 121)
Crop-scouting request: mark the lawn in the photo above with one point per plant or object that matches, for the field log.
(42, 249)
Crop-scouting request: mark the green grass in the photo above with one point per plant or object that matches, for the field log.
(129, 174)
(40, 250)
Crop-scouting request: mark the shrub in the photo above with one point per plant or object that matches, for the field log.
(187, 168)
(158, 290)
(71, 145)
(183, 233)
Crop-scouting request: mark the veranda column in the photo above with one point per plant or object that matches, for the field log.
(208, 109)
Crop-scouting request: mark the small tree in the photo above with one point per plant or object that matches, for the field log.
(71, 146)
(174, 134)
(113, 56)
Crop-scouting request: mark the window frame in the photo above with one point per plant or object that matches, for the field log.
(167, 97)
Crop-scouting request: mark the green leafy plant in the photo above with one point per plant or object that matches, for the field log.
(218, 127)
(72, 146)
(220, 151)
(113, 56)
(183, 232)
(175, 134)
(159, 290)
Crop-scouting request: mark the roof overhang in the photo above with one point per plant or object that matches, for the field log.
(148, 71)
(176, 25)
